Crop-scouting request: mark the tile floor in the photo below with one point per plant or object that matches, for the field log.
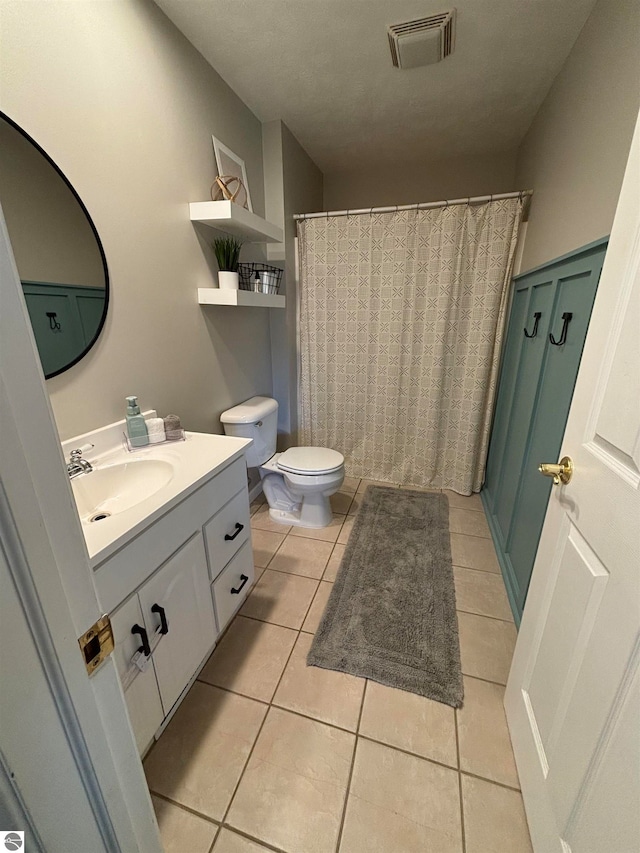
(266, 753)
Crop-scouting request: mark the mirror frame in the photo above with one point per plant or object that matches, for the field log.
(103, 257)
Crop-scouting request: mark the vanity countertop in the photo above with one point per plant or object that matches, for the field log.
(192, 462)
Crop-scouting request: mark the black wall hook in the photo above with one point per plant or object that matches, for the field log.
(53, 322)
(536, 318)
(566, 317)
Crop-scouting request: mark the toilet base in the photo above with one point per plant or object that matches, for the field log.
(300, 504)
(311, 514)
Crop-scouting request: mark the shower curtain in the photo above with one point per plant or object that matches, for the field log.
(400, 323)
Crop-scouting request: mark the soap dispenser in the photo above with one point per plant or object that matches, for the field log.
(136, 426)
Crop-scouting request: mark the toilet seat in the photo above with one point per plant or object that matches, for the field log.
(310, 461)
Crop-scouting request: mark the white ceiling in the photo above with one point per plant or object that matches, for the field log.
(324, 68)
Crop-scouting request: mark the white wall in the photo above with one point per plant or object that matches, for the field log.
(294, 185)
(430, 180)
(126, 107)
(575, 152)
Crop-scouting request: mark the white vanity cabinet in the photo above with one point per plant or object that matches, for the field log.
(171, 620)
(177, 608)
(172, 589)
(140, 688)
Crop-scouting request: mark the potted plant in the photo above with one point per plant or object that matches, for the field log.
(227, 252)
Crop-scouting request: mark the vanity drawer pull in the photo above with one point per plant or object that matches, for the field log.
(145, 647)
(239, 528)
(244, 579)
(164, 625)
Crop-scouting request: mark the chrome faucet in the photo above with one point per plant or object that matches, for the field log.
(77, 465)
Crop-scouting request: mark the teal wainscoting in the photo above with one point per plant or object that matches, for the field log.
(65, 319)
(534, 395)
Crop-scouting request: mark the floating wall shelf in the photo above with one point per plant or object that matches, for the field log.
(239, 298)
(235, 220)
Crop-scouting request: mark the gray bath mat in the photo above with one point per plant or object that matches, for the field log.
(391, 615)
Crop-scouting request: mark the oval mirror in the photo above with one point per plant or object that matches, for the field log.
(58, 253)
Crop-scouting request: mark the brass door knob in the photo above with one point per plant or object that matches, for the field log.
(561, 473)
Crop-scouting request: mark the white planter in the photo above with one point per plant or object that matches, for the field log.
(228, 280)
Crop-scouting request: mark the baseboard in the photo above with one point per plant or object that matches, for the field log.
(505, 566)
(255, 492)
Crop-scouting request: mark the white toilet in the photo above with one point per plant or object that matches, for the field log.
(297, 483)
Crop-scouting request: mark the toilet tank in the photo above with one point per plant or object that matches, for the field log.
(256, 418)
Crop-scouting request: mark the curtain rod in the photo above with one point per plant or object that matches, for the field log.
(428, 205)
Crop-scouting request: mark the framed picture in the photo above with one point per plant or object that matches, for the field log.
(229, 163)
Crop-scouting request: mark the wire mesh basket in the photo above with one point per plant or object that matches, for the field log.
(261, 278)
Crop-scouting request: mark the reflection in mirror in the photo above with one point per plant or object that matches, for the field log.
(58, 252)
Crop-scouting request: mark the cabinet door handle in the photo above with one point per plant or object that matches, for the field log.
(164, 625)
(145, 647)
(230, 538)
(244, 579)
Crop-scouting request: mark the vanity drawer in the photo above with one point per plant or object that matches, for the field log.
(227, 532)
(237, 576)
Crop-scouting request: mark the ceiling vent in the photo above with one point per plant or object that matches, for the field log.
(424, 41)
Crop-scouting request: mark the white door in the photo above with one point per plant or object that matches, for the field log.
(70, 775)
(573, 696)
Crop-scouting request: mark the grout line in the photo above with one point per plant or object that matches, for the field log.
(470, 535)
(246, 835)
(295, 535)
(206, 817)
(408, 752)
(350, 777)
(234, 692)
(313, 598)
(364, 696)
(329, 560)
(484, 616)
(312, 719)
(246, 764)
(497, 574)
(295, 643)
(266, 622)
(491, 781)
(487, 680)
(294, 574)
(277, 549)
(269, 706)
(215, 838)
(256, 529)
(466, 508)
(464, 841)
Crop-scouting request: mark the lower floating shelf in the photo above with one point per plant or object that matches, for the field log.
(239, 298)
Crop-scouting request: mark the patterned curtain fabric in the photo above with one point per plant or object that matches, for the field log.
(401, 318)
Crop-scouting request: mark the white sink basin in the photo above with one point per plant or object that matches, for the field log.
(132, 490)
(112, 489)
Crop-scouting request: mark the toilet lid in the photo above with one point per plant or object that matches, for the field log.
(310, 460)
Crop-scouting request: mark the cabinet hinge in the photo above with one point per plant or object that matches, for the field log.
(96, 644)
